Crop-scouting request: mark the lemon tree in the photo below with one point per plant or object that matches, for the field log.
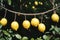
(37, 28)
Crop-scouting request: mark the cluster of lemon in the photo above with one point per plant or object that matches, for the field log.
(26, 24)
(36, 3)
(34, 22)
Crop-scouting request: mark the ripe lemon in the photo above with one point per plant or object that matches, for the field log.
(26, 24)
(3, 21)
(15, 25)
(35, 22)
(55, 17)
(41, 27)
(36, 2)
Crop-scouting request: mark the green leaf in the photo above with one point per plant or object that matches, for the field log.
(56, 29)
(57, 38)
(10, 38)
(25, 38)
(2, 39)
(9, 30)
(18, 36)
(47, 32)
(9, 2)
(45, 37)
(6, 33)
(0, 26)
(52, 27)
(38, 39)
(32, 38)
(53, 32)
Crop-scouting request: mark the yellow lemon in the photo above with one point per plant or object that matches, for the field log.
(33, 7)
(40, 3)
(36, 2)
(26, 24)
(15, 25)
(41, 27)
(35, 22)
(55, 17)
(3, 21)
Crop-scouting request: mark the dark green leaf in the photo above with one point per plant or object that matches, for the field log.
(32, 38)
(9, 2)
(53, 32)
(9, 30)
(45, 37)
(18, 36)
(52, 27)
(38, 39)
(57, 38)
(47, 32)
(6, 33)
(56, 29)
(25, 38)
(0, 26)
(10, 38)
(2, 39)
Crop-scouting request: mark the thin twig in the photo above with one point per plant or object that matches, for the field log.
(30, 13)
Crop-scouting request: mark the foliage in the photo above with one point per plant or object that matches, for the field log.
(9, 35)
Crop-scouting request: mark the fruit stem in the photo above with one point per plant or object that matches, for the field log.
(15, 17)
(25, 17)
(5, 13)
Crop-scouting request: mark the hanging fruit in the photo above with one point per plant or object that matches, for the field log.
(26, 24)
(40, 3)
(35, 22)
(41, 27)
(55, 17)
(36, 2)
(15, 25)
(3, 21)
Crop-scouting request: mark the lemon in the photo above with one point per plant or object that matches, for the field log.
(26, 24)
(33, 7)
(3, 21)
(15, 25)
(36, 2)
(41, 27)
(40, 3)
(55, 17)
(35, 22)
